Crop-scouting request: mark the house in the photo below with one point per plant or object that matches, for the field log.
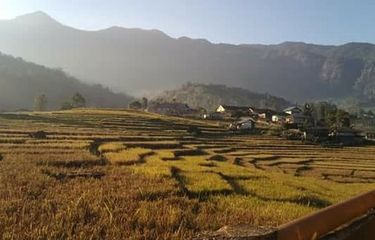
(293, 110)
(245, 124)
(279, 118)
(257, 113)
(172, 109)
(233, 111)
(262, 113)
(295, 116)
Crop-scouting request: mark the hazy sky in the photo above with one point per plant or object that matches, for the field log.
(232, 21)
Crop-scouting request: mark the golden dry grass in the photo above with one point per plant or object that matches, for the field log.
(109, 174)
(128, 156)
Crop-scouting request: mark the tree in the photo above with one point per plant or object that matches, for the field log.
(343, 118)
(324, 113)
(308, 110)
(308, 113)
(135, 105)
(339, 118)
(66, 106)
(144, 103)
(40, 103)
(78, 101)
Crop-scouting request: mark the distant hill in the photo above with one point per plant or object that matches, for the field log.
(148, 60)
(210, 96)
(21, 82)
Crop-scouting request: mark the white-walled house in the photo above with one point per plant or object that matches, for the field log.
(294, 115)
(227, 108)
(296, 118)
(278, 118)
(293, 110)
(245, 124)
(233, 110)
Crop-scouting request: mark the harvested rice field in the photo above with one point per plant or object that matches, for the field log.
(111, 174)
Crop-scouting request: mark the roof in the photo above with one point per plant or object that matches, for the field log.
(235, 108)
(280, 114)
(263, 110)
(292, 108)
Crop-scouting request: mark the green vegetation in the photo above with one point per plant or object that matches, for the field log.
(123, 174)
(327, 114)
(210, 96)
(40, 103)
(77, 101)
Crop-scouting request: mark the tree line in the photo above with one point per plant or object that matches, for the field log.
(325, 114)
(77, 101)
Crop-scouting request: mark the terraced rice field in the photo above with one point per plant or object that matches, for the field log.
(132, 175)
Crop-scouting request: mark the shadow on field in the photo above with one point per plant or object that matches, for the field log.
(66, 176)
(180, 179)
(73, 163)
(47, 119)
(189, 152)
(237, 189)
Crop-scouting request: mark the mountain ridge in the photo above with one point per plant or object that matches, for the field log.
(144, 61)
(41, 15)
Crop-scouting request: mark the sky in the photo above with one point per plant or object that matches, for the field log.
(220, 21)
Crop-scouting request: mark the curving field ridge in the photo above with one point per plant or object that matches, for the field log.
(126, 174)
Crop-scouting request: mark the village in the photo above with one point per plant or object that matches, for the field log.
(295, 122)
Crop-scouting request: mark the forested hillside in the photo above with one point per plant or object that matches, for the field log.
(210, 96)
(22, 82)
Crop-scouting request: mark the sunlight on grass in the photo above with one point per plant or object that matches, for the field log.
(111, 147)
(150, 179)
(128, 156)
(205, 182)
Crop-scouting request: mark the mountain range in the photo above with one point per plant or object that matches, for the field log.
(149, 61)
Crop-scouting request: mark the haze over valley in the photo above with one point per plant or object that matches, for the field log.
(21, 82)
(144, 62)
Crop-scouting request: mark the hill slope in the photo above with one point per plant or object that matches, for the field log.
(140, 60)
(211, 96)
(21, 82)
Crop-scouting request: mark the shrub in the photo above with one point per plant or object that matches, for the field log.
(194, 130)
